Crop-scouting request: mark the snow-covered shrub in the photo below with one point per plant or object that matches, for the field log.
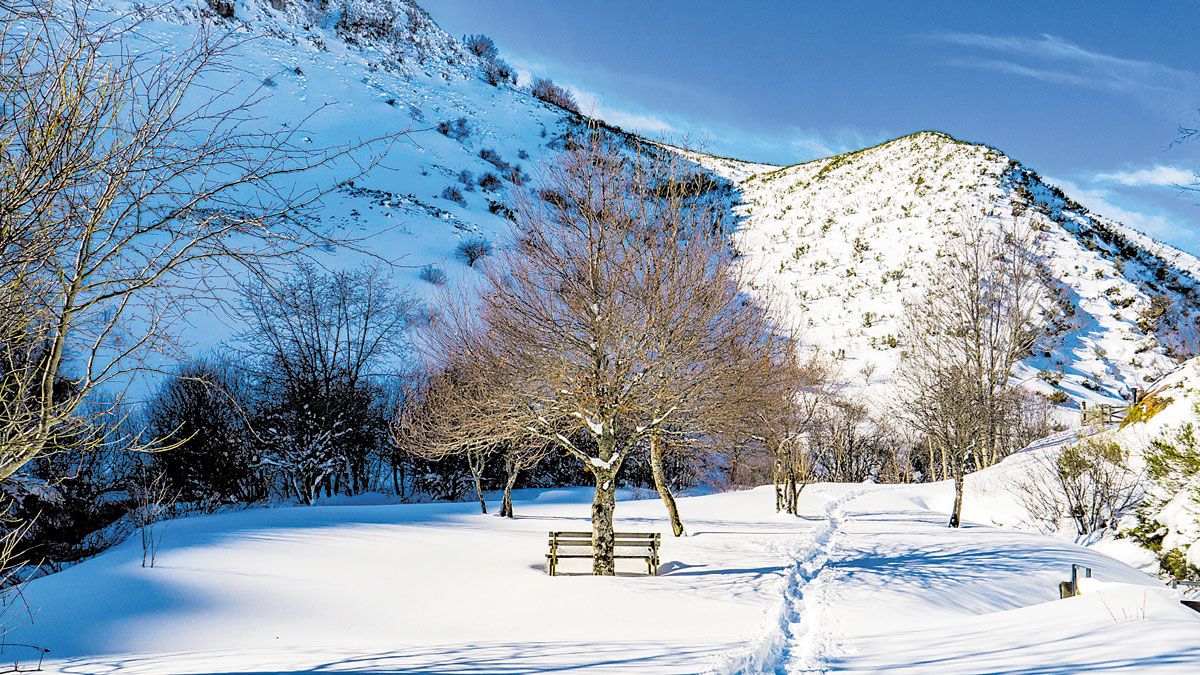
(516, 176)
(492, 157)
(495, 70)
(223, 8)
(432, 274)
(459, 129)
(501, 209)
(481, 46)
(467, 179)
(1091, 482)
(1168, 521)
(473, 250)
(553, 94)
(455, 195)
(489, 182)
(498, 72)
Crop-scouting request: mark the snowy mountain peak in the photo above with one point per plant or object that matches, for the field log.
(838, 243)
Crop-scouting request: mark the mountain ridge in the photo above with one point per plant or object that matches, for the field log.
(840, 241)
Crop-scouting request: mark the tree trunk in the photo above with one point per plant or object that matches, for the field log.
(477, 462)
(956, 514)
(791, 493)
(604, 505)
(779, 473)
(660, 482)
(477, 476)
(506, 509)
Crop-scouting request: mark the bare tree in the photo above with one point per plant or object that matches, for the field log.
(979, 315)
(1091, 481)
(126, 197)
(518, 458)
(606, 321)
(779, 415)
(318, 342)
(153, 499)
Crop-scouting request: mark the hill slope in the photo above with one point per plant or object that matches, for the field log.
(838, 243)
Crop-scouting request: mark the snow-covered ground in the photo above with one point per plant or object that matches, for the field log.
(867, 579)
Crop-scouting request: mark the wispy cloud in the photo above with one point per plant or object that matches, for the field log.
(814, 144)
(593, 103)
(1052, 59)
(1112, 205)
(1157, 176)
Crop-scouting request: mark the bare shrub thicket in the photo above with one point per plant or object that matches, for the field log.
(496, 71)
(792, 393)
(613, 319)
(153, 498)
(320, 347)
(1091, 482)
(473, 250)
(553, 94)
(979, 315)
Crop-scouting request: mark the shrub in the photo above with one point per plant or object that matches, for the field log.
(516, 176)
(1091, 483)
(1097, 483)
(467, 179)
(1172, 465)
(492, 157)
(1149, 317)
(453, 194)
(498, 72)
(459, 129)
(553, 94)
(473, 250)
(481, 46)
(1143, 410)
(489, 182)
(432, 274)
(495, 70)
(223, 8)
(501, 209)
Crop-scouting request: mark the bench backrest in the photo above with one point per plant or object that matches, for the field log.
(620, 539)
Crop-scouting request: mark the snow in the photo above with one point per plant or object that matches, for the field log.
(867, 578)
(837, 244)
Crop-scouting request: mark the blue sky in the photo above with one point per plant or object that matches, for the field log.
(1091, 95)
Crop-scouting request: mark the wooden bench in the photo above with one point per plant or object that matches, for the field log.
(626, 546)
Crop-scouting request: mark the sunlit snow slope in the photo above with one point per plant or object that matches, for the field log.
(838, 242)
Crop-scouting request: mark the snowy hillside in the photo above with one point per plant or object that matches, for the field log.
(838, 243)
(348, 71)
